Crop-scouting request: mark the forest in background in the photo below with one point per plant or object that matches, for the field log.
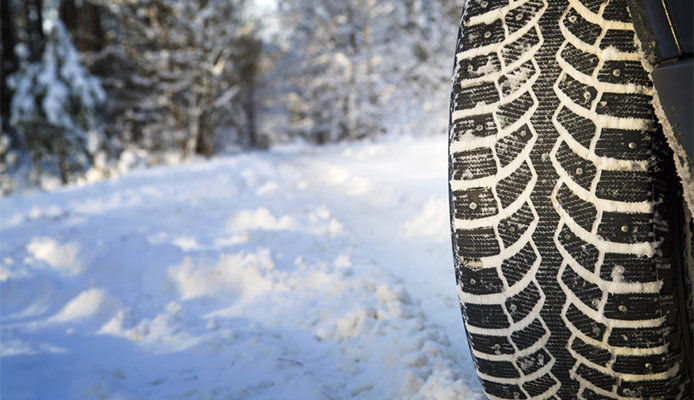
(92, 88)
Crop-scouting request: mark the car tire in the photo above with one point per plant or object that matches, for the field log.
(570, 237)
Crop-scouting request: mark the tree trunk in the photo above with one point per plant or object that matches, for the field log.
(203, 140)
(249, 110)
(63, 167)
(96, 32)
(351, 116)
(9, 62)
(83, 23)
(33, 17)
(67, 12)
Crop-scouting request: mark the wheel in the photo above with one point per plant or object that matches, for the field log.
(568, 225)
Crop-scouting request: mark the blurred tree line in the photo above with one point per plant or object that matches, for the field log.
(94, 87)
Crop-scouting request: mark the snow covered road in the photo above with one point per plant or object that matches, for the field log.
(298, 273)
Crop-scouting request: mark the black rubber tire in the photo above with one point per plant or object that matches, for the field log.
(566, 213)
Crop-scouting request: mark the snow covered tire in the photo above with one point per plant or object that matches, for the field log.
(570, 247)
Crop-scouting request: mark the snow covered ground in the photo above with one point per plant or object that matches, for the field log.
(298, 273)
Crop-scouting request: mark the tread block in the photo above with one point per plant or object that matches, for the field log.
(632, 306)
(475, 67)
(473, 164)
(579, 169)
(509, 188)
(646, 389)
(477, 125)
(513, 51)
(624, 144)
(636, 337)
(533, 362)
(595, 377)
(472, 96)
(502, 390)
(474, 203)
(617, 11)
(624, 73)
(514, 268)
(540, 385)
(479, 280)
(582, 61)
(582, 212)
(627, 268)
(593, 354)
(589, 293)
(499, 369)
(626, 228)
(586, 325)
(475, 243)
(512, 228)
(580, 94)
(459, 48)
(641, 365)
(508, 148)
(519, 17)
(513, 111)
(588, 394)
(483, 34)
(627, 186)
(477, 7)
(529, 335)
(485, 315)
(520, 305)
(622, 40)
(581, 28)
(627, 105)
(511, 81)
(584, 253)
(582, 129)
(491, 344)
(667, 280)
(593, 5)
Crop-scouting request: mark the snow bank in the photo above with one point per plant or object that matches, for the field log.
(235, 275)
(63, 257)
(289, 274)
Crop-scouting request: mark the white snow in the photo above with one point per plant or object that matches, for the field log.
(85, 305)
(63, 257)
(297, 273)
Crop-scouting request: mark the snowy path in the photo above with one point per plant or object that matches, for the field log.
(292, 274)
